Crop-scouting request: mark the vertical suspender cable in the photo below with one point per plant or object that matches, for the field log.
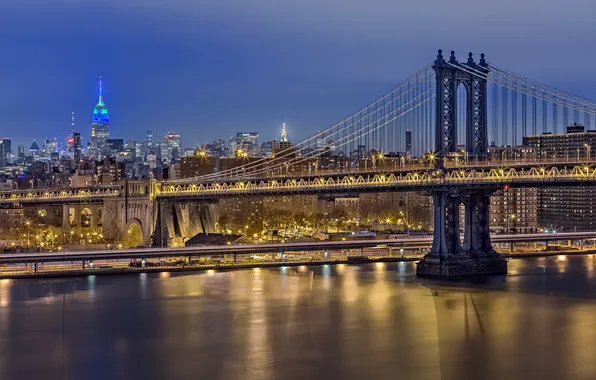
(514, 117)
(524, 131)
(415, 123)
(544, 111)
(409, 114)
(391, 134)
(534, 112)
(427, 112)
(505, 116)
(555, 128)
(565, 115)
(495, 109)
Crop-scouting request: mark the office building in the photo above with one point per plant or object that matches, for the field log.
(5, 148)
(408, 142)
(200, 163)
(100, 127)
(246, 142)
(50, 146)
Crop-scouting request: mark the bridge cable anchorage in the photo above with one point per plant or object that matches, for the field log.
(312, 139)
(269, 167)
(242, 168)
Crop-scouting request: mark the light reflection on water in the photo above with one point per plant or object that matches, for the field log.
(330, 321)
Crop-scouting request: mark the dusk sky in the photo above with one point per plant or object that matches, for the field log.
(210, 68)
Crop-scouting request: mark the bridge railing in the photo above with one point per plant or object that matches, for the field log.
(37, 195)
(536, 175)
(384, 166)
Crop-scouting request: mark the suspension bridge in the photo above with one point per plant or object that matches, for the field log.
(436, 128)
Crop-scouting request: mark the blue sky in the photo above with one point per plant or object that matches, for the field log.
(210, 68)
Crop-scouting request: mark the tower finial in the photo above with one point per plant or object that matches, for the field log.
(471, 59)
(100, 91)
(73, 123)
(284, 132)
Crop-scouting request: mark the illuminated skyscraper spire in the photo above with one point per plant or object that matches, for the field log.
(100, 92)
(284, 132)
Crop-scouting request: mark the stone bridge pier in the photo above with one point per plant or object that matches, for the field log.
(178, 221)
(130, 218)
(448, 257)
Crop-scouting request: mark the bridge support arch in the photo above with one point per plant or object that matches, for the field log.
(133, 236)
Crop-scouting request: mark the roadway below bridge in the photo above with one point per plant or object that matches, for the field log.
(380, 247)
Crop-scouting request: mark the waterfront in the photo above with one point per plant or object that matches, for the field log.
(329, 321)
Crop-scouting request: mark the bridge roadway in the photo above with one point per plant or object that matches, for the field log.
(463, 178)
(409, 177)
(22, 258)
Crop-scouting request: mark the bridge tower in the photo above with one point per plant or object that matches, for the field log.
(448, 257)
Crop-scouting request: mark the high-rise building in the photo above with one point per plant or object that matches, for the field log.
(577, 144)
(21, 153)
(76, 146)
(247, 142)
(100, 127)
(408, 142)
(50, 146)
(34, 149)
(150, 138)
(115, 146)
(219, 147)
(570, 208)
(514, 210)
(283, 149)
(171, 148)
(5, 148)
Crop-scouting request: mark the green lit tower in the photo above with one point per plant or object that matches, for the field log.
(100, 127)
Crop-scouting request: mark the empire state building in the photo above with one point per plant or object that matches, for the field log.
(100, 127)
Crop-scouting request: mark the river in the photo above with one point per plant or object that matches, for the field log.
(374, 321)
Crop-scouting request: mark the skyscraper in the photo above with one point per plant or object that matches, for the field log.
(76, 146)
(5, 148)
(408, 142)
(248, 142)
(284, 132)
(100, 127)
(50, 145)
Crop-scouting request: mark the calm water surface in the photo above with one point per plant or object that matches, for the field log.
(330, 322)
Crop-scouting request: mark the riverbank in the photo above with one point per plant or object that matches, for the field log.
(48, 272)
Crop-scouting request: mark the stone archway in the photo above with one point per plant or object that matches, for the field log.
(85, 216)
(133, 236)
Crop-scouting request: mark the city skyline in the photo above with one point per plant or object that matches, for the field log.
(214, 60)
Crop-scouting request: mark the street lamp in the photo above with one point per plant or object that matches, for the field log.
(511, 217)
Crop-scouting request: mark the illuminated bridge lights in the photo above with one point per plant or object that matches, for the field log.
(414, 179)
(58, 194)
